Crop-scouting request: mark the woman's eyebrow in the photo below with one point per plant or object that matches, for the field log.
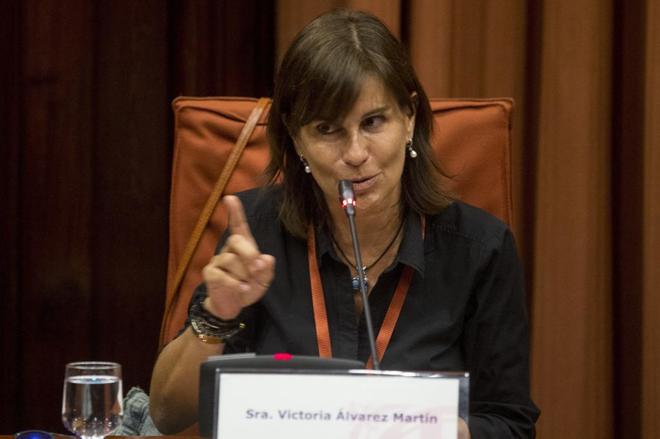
(378, 110)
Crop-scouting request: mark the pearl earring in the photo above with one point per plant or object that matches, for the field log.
(306, 167)
(411, 152)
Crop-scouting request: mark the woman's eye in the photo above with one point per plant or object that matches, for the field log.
(373, 122)
(325, 128)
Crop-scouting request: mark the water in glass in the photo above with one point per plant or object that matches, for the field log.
(92, 400)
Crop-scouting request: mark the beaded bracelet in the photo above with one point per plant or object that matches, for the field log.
(211, 329)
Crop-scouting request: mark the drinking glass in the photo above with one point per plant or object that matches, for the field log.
(92, 398)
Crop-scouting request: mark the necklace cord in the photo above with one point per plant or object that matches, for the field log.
(370, 266)
(321, 315)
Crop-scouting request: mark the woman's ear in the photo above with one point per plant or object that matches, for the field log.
(411, 127)
(414, 101)
(412, 112)
(296, 146)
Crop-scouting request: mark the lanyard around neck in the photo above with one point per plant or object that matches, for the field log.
(321, 314)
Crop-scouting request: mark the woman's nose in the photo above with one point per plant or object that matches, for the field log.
(356, 151)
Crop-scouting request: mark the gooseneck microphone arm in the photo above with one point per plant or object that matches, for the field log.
(347, 199)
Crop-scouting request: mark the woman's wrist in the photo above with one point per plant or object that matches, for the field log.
(211, 329)
(207, 305)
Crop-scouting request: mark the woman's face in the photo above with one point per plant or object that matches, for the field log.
(366, 147)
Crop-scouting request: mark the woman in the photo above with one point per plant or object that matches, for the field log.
(347, 105)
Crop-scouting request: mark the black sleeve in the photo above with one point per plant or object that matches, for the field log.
(496, 347)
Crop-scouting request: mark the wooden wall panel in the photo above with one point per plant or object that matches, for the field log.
(131, 163)
(10, 102)
(572, 332)
(55, 192)
(84, 176)
(223, 48)
(627, 212)
(651, 301)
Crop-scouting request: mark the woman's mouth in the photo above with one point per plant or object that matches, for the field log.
(361, 185)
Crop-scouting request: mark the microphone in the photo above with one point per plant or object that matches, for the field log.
(347, 199)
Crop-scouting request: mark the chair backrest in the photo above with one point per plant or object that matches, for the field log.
(472, 141)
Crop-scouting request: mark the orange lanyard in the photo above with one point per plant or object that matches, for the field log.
(321, 314)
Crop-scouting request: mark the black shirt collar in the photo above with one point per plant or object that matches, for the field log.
(411, 251)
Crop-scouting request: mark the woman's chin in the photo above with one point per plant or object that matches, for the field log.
(369, 206)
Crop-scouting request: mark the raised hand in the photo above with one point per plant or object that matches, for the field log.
(240, 274)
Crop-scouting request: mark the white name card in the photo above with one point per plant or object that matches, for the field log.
(346, 405)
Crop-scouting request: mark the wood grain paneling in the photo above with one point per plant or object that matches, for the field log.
(85, 176)
(651, 301)
(130, 187)
(55, 203)
(10, 102)
(572, 365)
(627, 207)
(223, 48)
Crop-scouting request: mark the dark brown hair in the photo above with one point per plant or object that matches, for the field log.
(319, 79)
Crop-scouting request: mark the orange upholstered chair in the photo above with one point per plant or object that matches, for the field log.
(472, 140)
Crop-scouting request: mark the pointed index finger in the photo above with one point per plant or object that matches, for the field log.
(237, 222)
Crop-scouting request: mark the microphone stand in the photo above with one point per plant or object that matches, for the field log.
(347, 198)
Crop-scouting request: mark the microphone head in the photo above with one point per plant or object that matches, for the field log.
(347, 196)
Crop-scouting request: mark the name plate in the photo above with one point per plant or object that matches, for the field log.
(355, 404)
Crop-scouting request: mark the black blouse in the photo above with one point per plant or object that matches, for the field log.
(465, 309)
